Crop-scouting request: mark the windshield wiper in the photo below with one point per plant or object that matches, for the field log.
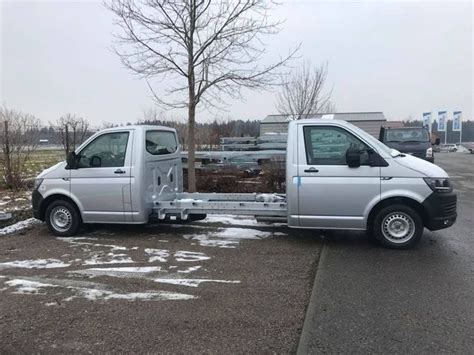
(394, 141)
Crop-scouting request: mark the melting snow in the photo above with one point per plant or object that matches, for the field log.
(93, 292)
(190, 256)
(190, 269)
(227, 237)
(95, 295)
(238, 221)
(74, 241)
(127, 271)
(19, 226)
(192, 282)
(27, 286)
(109, 258)
(35, 264)
(160, 255)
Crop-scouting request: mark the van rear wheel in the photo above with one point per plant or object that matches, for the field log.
(62, 218)
(398, 227)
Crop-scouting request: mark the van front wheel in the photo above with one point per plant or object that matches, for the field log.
(398, 227)
(62, 218)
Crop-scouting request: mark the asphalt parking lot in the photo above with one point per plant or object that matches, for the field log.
(373, 300)
(225, 285)
(233, 285)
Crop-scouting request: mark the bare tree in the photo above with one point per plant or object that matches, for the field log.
(18, 139)
(208, 49)
(303, 94)
(72, 130)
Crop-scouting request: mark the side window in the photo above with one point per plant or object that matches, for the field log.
(328, 145)
(107, 150)
(161, 142)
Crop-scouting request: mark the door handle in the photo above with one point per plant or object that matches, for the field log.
(311, 170)
(119, 171)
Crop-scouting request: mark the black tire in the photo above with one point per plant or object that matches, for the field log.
(397, 227)
(61, 212)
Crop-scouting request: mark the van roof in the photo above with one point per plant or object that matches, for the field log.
(138, 128)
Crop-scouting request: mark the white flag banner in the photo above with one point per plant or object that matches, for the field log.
(441, 121)
(457, 121)
(427, 119)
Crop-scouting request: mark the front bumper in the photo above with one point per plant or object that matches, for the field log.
(37, 200)
(440, 210)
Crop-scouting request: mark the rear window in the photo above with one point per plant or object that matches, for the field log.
(161, 142)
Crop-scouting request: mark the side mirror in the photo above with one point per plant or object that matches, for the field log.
(96, 161)
(353, 157)
(437, 141)
(71, 161)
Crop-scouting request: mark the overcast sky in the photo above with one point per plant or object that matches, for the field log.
(399, 57)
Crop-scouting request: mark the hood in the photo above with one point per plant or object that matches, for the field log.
(421, 166)
(55, 170)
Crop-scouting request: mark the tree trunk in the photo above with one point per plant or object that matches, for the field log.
(191, 146)
(8, 164)
(192, 101)
(66, 142)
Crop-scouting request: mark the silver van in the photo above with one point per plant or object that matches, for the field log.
(338, 177)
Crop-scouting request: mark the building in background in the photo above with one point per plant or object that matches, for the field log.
(371, 122)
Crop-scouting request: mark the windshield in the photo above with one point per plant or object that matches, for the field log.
(407, 135)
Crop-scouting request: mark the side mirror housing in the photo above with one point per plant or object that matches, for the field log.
(353, 157)
(71, 161)
(437, 141)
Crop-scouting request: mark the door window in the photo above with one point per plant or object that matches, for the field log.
(161, 142)
(328, 145)
(107, 150)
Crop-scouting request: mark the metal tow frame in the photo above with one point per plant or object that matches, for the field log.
(185, 204)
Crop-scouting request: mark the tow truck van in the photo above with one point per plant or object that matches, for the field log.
(338, 177)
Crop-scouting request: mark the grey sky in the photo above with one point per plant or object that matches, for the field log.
(399, 57)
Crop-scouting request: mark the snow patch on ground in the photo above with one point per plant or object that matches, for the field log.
(19, 226)
(35, 264)
(160, 255)
(163, 255)
(126, 272)
(190, 269)
(187, 256)
(227, 237)
(76, 242)
(109, 258)
(95, 292)
(96, 295)
(192, 282)
(236, 220)
(28, 287)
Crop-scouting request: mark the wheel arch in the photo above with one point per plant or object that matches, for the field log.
(407, 201)
(55, 197)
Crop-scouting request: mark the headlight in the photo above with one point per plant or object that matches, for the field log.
(429, 152)
(37, 183)
(439, 184)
